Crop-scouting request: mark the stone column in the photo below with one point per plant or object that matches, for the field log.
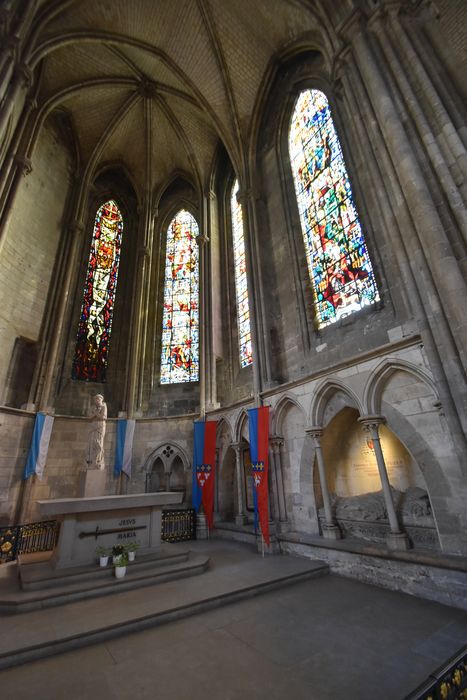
(435, 255)
(240, 516)
(330, 528)
(53, 344)
(254, 288)
(22, 80)
(276, 443)
(397, 539)
(203, 319)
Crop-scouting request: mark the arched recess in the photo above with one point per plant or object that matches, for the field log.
(331, 396)
(380, 376)
(168, 467)
(289, 425)
(355, 487)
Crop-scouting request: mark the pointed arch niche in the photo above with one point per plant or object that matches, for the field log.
(355, 486)
(338, 263)
(180, 323)
(93, 337)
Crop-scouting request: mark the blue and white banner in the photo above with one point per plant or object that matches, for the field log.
(39, 446)
(123, 453)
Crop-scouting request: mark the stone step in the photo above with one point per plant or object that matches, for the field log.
(38, 576)
(21, 601)
(82, 624)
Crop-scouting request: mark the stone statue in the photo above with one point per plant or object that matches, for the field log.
(98, 417)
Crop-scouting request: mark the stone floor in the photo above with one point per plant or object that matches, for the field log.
(323, 638)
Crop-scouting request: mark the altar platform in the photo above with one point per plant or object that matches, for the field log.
(235, 573)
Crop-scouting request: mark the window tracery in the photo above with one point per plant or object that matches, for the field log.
(241, 286)
(92, 343)
(339, 266)
(180, 325)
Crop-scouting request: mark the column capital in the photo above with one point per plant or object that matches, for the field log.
(315, 431)
(23, 163)
(237, 446)
(25, 74)
(202, 239)
(276, 442)
(143, 252)
(371, 422)
(76, 228)
(210, 194)
(243, 196)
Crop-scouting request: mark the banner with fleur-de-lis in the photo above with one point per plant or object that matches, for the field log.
(204, 462)
(258, 425)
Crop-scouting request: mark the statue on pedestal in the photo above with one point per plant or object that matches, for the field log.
(98, 417)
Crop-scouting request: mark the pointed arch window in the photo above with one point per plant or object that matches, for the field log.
(92, 343)
(241, 286)
(339, 266)
(180, 325)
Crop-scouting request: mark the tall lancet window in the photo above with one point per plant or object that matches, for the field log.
(338, 262)
(92, 343)
(180, 325)
(241, 287)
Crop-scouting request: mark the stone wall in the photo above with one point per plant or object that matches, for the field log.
(30, 245)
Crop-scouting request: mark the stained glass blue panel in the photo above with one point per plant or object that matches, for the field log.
(338, 262)
(180, 325)
(241, 287)
(92, 344)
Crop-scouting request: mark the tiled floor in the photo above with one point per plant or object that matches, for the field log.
(327, 638)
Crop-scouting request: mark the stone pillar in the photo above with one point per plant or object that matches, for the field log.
(240, 516)
(276, 443)
(22, 80)
(53, 343)
(434, 252)
(397, 539)
(330, 528)
(254, 284)
(203, 293)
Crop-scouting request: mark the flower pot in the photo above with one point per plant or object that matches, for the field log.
(103, 561)
(120, 571)
(131, 556)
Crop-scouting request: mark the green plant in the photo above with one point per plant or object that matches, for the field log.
(118, 550)
(102, 551)
(132, 546)
(121, 560)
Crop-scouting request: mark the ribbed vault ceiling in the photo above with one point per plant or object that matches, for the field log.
(159, 82)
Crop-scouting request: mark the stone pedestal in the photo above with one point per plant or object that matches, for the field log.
(331, 532)
(202, 532)
(398, 540)
(92, 483)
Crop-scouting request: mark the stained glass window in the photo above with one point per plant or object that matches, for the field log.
(338, 262)
(92, 344)
(180, 326)
(241, 288)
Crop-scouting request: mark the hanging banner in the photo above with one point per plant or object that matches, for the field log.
(124, 449)
(258, 425)
(204, 461)
(37, 456)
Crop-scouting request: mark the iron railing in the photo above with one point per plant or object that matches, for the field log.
(27, 539)
(178, 525)
(447, 683)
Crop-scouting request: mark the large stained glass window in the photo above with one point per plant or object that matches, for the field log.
(338, 262)
(92, 344)
(241, 288)
(180, 329)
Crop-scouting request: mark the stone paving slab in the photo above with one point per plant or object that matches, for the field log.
(236, 572)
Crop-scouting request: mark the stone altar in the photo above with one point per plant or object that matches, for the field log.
(87, 523)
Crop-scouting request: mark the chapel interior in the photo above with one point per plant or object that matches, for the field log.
(213, 205)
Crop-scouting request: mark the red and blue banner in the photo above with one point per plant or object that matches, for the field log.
(204, 462)
(258, 422)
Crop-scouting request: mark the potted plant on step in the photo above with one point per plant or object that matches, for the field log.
(120, 565)
(117, 551)
(131, 548)
(103, 554)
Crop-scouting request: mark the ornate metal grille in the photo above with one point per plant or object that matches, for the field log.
(178, 525)
(27, 539)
